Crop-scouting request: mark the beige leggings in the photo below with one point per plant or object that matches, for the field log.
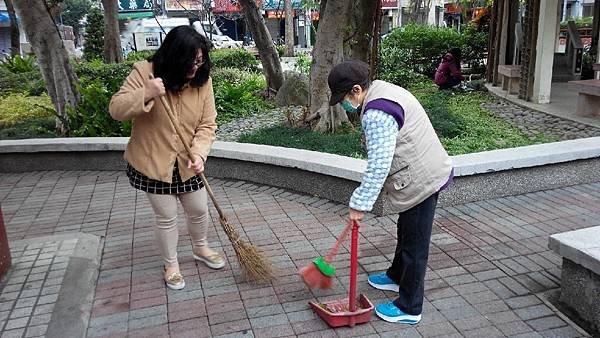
(166, 233)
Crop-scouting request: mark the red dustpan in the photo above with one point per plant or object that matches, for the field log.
(348, 311)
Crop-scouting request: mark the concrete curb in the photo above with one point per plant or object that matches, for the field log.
(327, 164)
(72, 310)
(478, 176)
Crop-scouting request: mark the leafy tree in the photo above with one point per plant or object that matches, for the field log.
(94, 35)
(71, 13)
(59, 77)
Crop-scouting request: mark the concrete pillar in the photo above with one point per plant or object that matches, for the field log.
(544, 60)
(597, 73)
(504, 33)
(577, 9)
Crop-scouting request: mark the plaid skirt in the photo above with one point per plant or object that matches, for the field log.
(144, 183)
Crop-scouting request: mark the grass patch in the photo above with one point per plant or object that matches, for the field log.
(346, 142)
(459, 120)
(465, 127)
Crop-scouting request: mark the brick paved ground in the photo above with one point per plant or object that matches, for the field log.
(29, 295)
(488, 267)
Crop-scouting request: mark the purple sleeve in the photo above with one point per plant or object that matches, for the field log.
(389, 107)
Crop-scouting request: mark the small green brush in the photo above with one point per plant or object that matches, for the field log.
(320, 271)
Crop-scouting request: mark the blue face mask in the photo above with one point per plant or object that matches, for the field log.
(347, 106)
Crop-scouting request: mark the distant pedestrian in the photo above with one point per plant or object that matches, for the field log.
(448, 73)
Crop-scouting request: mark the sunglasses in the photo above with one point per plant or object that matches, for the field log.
(198, 62)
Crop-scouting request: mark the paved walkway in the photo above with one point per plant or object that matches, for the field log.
(562, 103)
(489, 269)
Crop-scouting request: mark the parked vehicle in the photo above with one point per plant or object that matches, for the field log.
(213, 32)
(148, 34)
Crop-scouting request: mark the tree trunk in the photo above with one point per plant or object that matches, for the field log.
(415, 7)
(289, 28)
(596, 27)
(328, 52)
(15, 41)
(374, 60)
(358, 41)
(264, 43)
(52, 57)
(112, 40)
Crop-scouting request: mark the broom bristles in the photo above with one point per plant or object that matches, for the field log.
(313, 277)
(255, 265)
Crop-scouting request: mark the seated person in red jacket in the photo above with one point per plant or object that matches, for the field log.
(448, 72)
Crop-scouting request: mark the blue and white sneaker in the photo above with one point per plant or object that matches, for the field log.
(382, 282)
(391, 313)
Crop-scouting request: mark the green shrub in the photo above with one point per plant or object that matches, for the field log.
(30, 83)
(474, 46)
(110, 75)
(91, 117)
(418, 47)
(32, 128)
(238, 93)
(17, 108)
(233, 58)
(97, 83)
(139, 56)
(229, 75)
(303, 64)
(579, 22)
(280, 50)
(18, 64)
(401, 76)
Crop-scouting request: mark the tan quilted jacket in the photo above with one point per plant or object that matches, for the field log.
(154, 146)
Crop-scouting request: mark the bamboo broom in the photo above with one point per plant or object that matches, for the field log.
(254, 263)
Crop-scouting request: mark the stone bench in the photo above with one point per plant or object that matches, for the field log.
(588, 103)
(580, 285)
(511, 77)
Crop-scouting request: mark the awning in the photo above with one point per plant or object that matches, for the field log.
(279, 4)
(135, 15)
(4, 19)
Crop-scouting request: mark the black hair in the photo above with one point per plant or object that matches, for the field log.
(176, 56)
(457, 53)
(365, 85)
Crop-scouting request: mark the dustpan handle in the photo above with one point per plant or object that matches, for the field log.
(353, 267)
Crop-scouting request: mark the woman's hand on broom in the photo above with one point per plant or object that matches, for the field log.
(197, 166)
(355, 215)
(153, 87)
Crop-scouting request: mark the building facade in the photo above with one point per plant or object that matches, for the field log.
(5, 30)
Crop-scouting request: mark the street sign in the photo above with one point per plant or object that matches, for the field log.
(389, 4)
(135, 5)
(182, 5)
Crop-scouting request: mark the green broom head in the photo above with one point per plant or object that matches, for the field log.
(325, 268)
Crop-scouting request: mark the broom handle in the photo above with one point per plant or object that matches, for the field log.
(353, 267)
(333, 251)
(190, 154)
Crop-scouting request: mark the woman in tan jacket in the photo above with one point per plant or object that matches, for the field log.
(157, 161)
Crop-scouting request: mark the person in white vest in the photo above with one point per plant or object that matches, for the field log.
(408, 162)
